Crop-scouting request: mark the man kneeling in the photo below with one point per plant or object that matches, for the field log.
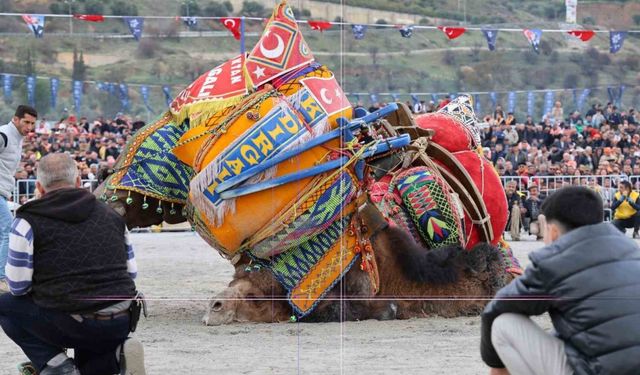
(587, 278)
(70, 272)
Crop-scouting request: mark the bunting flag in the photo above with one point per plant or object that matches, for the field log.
(452, 32)
(31, 90)
(190, 22)
(531, 101)
(136, 24)
(494, 99)
(7, 87)
(511, 102)
(533, 36)
(549, 98)
(233, 25)
(144, 92)
(216, 89)
(319, 25)
(124, 96)
(616, 39)
(374, 98)
(281, 48)
(434, 98)
(359, 31)
(406, 31)
(54, 84)
(166, 90)
(89, 17)
(77, 95)
(478, 106)
(583, 35)
(414, 99)
(111, 88)
(35, 23)
(491, 35)
(582, 98)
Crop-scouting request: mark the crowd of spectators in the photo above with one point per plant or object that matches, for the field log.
(93, 145)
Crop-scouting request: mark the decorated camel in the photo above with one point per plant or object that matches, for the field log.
(326, 212)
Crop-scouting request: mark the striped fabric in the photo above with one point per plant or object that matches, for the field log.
(19, 268)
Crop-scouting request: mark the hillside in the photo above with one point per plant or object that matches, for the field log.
(382, 62)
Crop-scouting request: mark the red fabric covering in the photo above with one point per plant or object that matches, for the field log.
(450, 133)
(488, 183)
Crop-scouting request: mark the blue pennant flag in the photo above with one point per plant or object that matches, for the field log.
(77, 95)
(531, 101)
(35, 23)
(111, 88)
(374, 98)
(124, 96)
(434, 98)
(395, 97)
(7, 87)
(359, 31)
(167, 95)
(414, 99)
(453, 95)
(582, 98)
(616, 40)
(549, 97)
(511, 102)
(100, 86)
(136, 24)
(144, 91)
(491, 35)
(533, 36)
(406, 31)
(478, 106)
(54, 85)
(190, 22)
(494, 99)
(31, 90)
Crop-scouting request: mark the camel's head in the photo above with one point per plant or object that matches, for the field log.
(254, 296)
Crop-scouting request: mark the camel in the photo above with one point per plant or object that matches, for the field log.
(414, 282)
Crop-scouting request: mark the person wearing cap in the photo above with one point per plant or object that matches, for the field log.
(11, 139)
(626, 206)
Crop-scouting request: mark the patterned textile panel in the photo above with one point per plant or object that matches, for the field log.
(425, 198)
(148, 166)
(325, 211)
(511, 263)
(311, 264)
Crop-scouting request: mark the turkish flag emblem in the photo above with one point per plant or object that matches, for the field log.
(452, 32)
(583, 35)
(233, 25)
(327, 93)
(319, 25)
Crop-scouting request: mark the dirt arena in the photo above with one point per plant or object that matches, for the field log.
(179, 272)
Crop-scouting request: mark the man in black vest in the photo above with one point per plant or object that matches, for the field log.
(70, 272)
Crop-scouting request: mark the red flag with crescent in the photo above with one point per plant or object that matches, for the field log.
(319, 25)
(327, 93)
(89, 17)
(232, 24)
(583, 35)
(452, 32)
(280, 50)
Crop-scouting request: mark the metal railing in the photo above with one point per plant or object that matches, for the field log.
(25, 190)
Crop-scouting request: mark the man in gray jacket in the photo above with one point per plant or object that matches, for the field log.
(588, 279)
(11, 136)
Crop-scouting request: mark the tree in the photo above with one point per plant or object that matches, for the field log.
(190, 8)
(79, 68)
(227, 4)
(215, 9)
(252, 9)
(94, 7)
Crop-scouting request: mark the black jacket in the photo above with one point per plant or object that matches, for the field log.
(589, 282)
(79, 252)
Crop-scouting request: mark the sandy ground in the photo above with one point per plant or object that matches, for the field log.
(178, 272)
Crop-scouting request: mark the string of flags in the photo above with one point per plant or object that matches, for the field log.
(36, 23)
(121, 91)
